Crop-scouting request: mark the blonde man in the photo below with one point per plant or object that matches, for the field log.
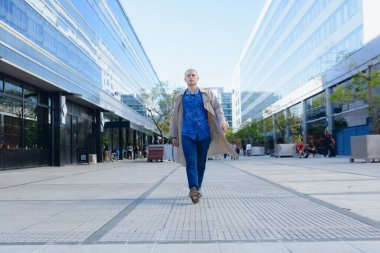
(197, 130)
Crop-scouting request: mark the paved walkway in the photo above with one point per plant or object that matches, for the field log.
(258, 204)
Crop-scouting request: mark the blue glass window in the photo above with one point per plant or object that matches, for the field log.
(30, 94)
(13, 88)
(19, 15)
(1, 84)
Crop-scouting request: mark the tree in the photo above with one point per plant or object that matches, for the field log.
(159, 104)
(280, 122)
(230, 135)
(361, 87)
(252, 132)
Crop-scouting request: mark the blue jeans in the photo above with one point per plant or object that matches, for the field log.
(195, 152)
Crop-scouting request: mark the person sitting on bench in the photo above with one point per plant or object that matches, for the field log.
(300, 148)
(310, 149)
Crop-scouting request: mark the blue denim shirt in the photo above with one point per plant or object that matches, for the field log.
(195, 121)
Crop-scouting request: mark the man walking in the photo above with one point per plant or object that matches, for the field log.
(197, 129)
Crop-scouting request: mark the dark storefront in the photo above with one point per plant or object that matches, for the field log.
(25, 125)
(121, 133)
(41, 128)
(32, 132)
(79, 132)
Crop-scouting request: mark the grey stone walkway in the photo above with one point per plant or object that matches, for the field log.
(249, 205)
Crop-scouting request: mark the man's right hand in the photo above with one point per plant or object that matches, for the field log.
(175, 142)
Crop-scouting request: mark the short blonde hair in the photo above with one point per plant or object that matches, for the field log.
(191, 70)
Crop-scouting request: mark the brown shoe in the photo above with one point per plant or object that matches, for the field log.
(194, 195)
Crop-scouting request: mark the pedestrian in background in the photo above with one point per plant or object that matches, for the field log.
(249, 149)
(197, 130)
(136, 151)
(332, 147)
(129, 151)
(310, 149)
(329, 151)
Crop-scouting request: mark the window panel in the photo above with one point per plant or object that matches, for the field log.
(316, 107)
(36, 28)
(11, 122)
(30, 126)
(13, 88)
(30, 94)
(315, 132)
(43, 128)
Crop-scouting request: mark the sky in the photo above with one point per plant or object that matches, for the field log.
(208, 35)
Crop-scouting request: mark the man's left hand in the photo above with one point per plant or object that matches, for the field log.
(224, 127)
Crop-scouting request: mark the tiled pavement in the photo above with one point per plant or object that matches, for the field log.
(256, 204)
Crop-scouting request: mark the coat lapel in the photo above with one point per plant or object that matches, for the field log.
(206, 101)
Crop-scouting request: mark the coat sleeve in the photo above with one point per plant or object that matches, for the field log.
(217, 108)
(173, 131)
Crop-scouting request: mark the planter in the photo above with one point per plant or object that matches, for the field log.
(106, 156)
(168, 152)
(365, 147)
(155, 152)
(257, 151)
(284, 150)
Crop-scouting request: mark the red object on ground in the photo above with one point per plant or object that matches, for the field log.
(155, 153)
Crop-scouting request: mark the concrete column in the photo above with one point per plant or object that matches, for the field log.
(120, 139)
(59, 121)
(144, 140)
(150, 140)
(99, 129)
(134, 138)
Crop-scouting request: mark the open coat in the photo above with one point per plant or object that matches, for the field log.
(219, 144)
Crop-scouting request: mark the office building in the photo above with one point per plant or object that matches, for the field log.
(227, 106)
(291, 63)
(63, 66)
(225, 99)
(134, 103)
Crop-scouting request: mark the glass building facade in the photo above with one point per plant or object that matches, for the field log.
(134, 103)
(63, 66)
(227, 106)
(289, 64)
(225, 99)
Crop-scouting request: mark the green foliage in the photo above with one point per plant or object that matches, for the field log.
(320, 100)
(280, 124)
(229, 135)
(30, 133)
(106, 141)
(159, 104)
(361, 87)
(251, 132)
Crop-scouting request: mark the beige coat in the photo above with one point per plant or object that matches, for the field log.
(219, 144)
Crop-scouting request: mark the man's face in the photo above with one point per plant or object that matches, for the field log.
(191, 78)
